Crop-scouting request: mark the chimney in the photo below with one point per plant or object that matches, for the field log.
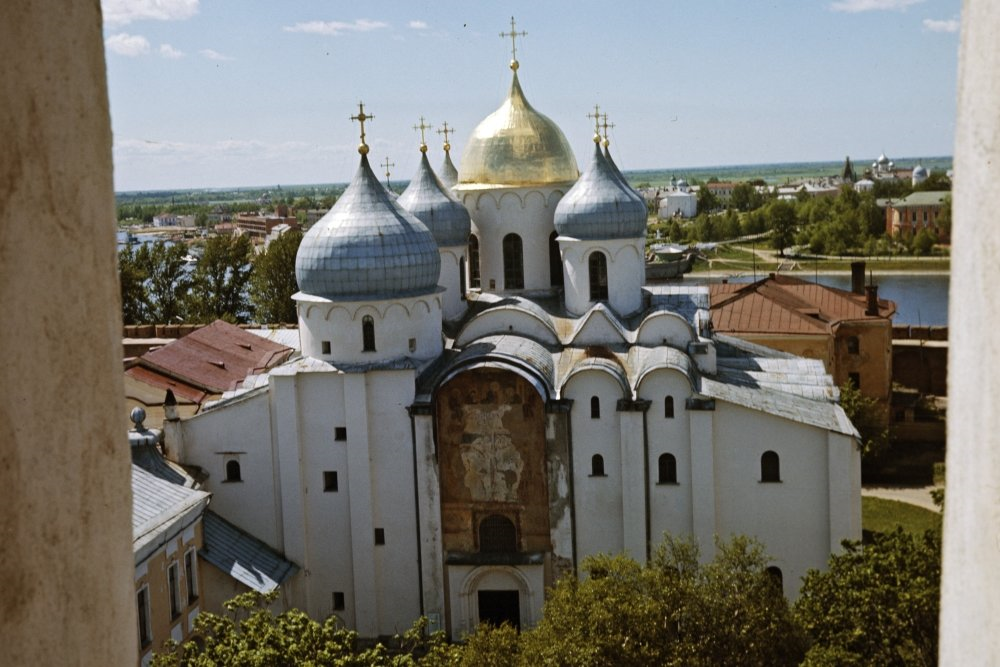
(858, 277)
(170, 406)
(871, 291)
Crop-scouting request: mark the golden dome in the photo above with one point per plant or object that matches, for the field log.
(516, 145)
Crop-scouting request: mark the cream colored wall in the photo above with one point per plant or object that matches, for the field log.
(152, 573)
(64, 474)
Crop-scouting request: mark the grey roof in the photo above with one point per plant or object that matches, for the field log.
(448, 174)
(160, 510)
(600, 205)
(513, 349)
(621, 177)
(282, 336)
(685, 300)
(367, 247)
(429, 200)
(242, 556)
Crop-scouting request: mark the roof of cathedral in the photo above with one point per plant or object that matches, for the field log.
(428, 199)
(517, 145)
(367, 247)
(448, 174)
(242, 556)
(600, 205)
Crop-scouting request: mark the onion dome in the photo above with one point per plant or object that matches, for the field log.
(516, 145)
(428, 199)
(620, 176)
(600, 205)
(449, 175)
(882, 159)
(367, 247)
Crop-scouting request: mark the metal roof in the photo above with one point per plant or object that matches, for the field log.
(428, 199)
(600, 205)
(367, 247)
(242, 556)
(160, 510)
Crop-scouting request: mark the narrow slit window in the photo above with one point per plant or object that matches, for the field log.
(668, 407)
(598, 265)
(474, 276)
(597, 466)
(367, 334)
(595, 407)
(513, 262)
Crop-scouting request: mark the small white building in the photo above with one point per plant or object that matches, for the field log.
(678, 201)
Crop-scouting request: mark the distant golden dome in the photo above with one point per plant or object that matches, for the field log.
(516, 145)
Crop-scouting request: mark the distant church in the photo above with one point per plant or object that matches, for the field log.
(487, 393)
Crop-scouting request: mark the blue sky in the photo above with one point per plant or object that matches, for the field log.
(218, 93)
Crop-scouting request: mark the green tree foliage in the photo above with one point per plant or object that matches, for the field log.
(250, 635)
(706, 200)
(673, 611)
(272, 283)
(220, 280)
(167, 282)
(132, 274)
(943, 218)
(868, 417)
(923, 242)
(876, 604)
(781, 219)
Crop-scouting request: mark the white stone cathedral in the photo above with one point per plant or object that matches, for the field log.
(487, 393)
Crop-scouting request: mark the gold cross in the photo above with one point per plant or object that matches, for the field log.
(423, 126)
(387, 164)
(605, 125)
(597, 122)
(445, 130)
(361, 118)
(513, 34)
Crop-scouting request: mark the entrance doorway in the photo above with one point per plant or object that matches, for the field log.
(495, 607)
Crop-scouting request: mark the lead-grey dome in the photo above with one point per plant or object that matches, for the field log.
(367, 247)
(600, 206)
(428, 199)
(449, 174)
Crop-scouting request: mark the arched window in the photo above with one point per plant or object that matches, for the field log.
(233, 471)
(667, 464)
(497, 534)
(778, 579)
(513, 262)
(595, 407)
(597, 466)
(555, 262)
(598, 263)
(367, 334)
(770, 470)
(474, 279)
(668, 407)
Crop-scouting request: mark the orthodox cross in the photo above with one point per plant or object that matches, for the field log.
(513, 34)
(387, 164)
(597, 122)
(361, 118)
(423, 126)
(445, 130)
(605, 125)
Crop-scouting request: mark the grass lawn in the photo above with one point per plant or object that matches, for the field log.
(881, 516)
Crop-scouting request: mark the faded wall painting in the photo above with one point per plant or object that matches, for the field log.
(491, 450)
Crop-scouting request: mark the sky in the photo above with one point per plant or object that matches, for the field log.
(224, 93)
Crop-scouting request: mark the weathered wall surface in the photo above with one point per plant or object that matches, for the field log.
(65, 532)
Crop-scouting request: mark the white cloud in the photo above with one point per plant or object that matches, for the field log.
(170, 52)
(855, 6)
(121, 12)
(418, 25)
(947, 25)
(335, 28)
(215, 55)
(125, 44)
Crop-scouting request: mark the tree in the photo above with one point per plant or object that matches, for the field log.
(876, 604)
(707, 200)
(781, 220)
(868, 417)
(220, 280)
(249, 634)
(672, 611)
(273, 283)
(132, 281)
(923, 242)
(168, 283)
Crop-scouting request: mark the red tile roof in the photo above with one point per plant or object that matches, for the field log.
(785, 305)
(215, 358)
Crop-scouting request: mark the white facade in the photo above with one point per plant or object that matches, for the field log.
(626, 272)
(678, 203)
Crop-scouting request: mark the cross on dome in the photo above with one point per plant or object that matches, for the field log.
(445, 130)
(597, 123)
(422, 126)
(605, 125)
(361, 118)
(387, 164)
(513, 34)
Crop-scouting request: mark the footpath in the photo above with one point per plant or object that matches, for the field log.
(914, 495)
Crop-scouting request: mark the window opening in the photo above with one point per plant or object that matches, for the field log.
(513, 262)
(668, 407)
(329, 481)
(770, 470)
(667, 465)
(555, 262)
(474, 276)
(380, 536)
(142, 603)
(173, 586)
(233, 472)
(598, 276)
(338, 600)
(597, 466)
(367, 334)
(497, 534)
(340, 433)
(595, 407)
(191, 575)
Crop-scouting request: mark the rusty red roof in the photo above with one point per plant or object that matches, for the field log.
(215, 358)
(786, 305)
(182, 390)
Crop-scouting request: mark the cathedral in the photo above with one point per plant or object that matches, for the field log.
(487, 393)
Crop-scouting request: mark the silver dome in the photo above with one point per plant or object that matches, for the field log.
(428, 199)
(600, 205)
